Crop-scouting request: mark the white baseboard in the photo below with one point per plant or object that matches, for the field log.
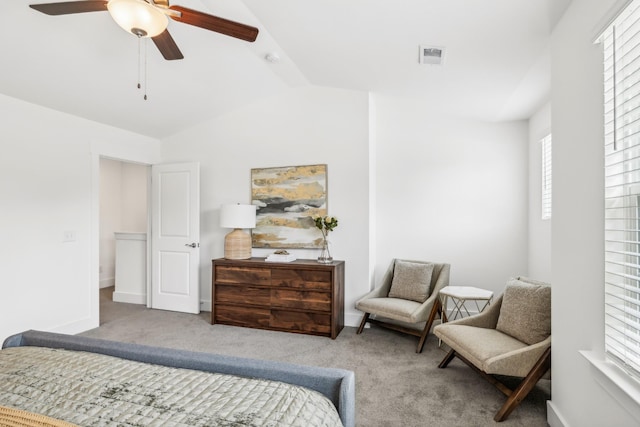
(129, 298)
(353, 319)
(554, 419)
(76, 327)
(205, 305)
(108, 282)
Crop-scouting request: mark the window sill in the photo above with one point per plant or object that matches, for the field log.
(624, 389)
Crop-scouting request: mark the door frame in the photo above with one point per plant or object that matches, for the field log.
(127, 151)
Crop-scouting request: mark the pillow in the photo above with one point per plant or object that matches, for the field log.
(525, 313)
(411, 280)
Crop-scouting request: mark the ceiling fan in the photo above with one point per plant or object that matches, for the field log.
(148, 18)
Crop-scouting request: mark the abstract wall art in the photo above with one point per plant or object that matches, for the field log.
(287, 198)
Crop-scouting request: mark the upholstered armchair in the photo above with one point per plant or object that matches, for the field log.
(512, 337)
(407, 299)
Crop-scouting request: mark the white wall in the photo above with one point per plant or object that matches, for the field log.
(110, 218)
(448, 189)
(539, 230)
(303, 126)
(134, 197)
(451, 190)
(577, 226)
(123, 207)
(46, 179)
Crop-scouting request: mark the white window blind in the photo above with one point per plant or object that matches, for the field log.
(621, 43)
(546, 177)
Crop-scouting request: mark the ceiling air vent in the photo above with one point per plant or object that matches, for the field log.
(431, 55)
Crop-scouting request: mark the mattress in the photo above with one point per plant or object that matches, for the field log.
(90, 389)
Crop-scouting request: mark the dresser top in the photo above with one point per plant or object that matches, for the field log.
(255, 261)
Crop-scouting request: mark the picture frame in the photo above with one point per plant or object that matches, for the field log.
(286, 199)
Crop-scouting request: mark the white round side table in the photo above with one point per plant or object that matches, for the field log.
(459, 295)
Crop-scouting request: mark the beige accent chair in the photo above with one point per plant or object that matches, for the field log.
(398, 311)
(512, 337)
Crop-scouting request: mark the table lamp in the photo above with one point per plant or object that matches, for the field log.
(237, 244)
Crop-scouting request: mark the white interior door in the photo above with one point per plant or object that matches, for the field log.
(175, 237)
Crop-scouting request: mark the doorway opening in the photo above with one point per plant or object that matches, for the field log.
(123, 246)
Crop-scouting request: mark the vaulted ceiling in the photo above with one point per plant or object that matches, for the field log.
(496, 64)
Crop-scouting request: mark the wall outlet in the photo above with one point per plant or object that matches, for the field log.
(69, 236)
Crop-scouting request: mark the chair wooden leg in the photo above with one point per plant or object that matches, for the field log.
(365, 318)
(423, 338)
(448, 358)
(539, 369)
(432, 315)
(492, 379)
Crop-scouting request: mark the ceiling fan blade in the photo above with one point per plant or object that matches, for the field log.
(214, 23)
(167, 46)
(66, 8)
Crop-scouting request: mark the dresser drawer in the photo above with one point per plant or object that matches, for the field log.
(242, 294)
(302, 296)
(308, 300)
(300, 321)
(250, 276)
(242, 316)
(302, 279)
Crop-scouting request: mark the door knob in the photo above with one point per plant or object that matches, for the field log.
(192, 245)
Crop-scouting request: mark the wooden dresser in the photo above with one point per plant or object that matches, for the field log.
(302, 296)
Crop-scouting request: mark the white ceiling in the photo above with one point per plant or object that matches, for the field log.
(496, 63)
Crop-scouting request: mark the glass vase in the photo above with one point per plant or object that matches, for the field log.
(325, 256)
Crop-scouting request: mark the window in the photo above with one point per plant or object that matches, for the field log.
(621, 43)
(546, 177)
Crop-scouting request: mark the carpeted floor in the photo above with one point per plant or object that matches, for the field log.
(394, 385)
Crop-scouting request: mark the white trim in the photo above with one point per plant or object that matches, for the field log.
(608, 18)
(132, 151)
(546, 173)
(554, 419)
(94, 304)
(620, 385)
(373, 188)
(205, 305)
(76, 327)
(352, 319)
(129, 297)
(108, 282)
(121, 235)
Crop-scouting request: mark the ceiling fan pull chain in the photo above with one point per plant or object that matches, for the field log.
(140, 85)
(139, 38)
(146, 43)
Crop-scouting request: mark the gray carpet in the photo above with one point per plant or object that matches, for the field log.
(394, 385)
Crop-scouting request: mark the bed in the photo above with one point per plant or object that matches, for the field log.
(87, 381)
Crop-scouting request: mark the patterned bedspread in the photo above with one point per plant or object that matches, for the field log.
(90, 389)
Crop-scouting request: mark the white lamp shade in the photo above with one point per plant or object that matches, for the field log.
(238, 216)
(134, 15)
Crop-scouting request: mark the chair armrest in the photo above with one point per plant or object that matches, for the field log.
(517, 362)
(422, 313)
(487, 319)
(383, 290)
(379, 292)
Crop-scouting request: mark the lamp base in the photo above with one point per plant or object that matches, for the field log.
(237, 245)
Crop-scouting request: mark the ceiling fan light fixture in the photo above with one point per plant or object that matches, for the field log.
(138, 17)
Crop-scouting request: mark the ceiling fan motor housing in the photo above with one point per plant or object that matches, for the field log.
(138, 17)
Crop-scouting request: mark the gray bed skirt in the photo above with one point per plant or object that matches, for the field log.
(337, 384)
